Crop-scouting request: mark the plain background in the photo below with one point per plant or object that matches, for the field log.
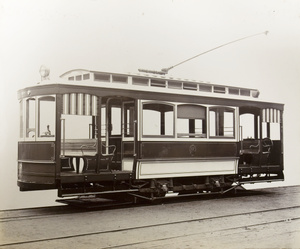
(122, 36)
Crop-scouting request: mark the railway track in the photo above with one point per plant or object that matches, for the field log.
(79, 205)
(165, 225)
(290, 216)
(45, 212)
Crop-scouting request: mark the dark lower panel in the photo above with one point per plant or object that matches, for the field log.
(24, 186)
(101, 177)
(168, 150)
(36, 176)
(266, 173)
(258, 178)
(128, 149)
(259, 170)
(36, 151)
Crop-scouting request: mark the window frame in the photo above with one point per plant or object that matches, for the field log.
(25, 120)
(142, 119)
(22, 132)
(129, 125)
(228, 109)
(28, 117)
(38, 128)
(194, 135)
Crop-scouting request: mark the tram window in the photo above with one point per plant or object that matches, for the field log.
(221, 122)
(46, 127)
(175, 84)
(204, 88)
(158, 120)
(86, 76)
(275, 131)
(190, 86)
(102, 77)
(21, 119)
(103, 122)
(78, 77)
(218, 89)
(116, 120)
(30, 118)
(247, 124)
(234, 91)
(245, 92)
(128, 119)
(140, 81)
(191, 121)
(119, 79)
(271, 130)
(158, 83)
(264, 129)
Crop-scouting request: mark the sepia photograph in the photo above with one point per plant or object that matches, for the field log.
(150, 124)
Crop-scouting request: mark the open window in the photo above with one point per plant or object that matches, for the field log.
(78, 124)
(271, 119)
(21, 134)
(260, 132)
(116, 121)
(191, 121)
(249, 122)
(158, 119)
(221, 122)
(39, 117)
(103, 122)
(46, 116)
(30, 118)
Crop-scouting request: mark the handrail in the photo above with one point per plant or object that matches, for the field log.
(254, 146)
(88, 146)
(107, 147)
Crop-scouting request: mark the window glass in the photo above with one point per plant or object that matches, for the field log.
(191, 121)
(103, 122)
(46, 117)
(168, 123)
(275, 131)
(30, 118)
(21, 120)
(228, 124)
(247, 124)
(158, 120)
(221, 122)
(151, 122)
(128, 119)
(271, 119)
(116, 120)
(264, 129)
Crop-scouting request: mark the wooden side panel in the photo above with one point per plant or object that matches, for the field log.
(169, 150)
(36, 167)
(36, 176)
(36, 151)
(128, 149)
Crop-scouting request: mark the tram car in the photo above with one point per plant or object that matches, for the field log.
(102, 133)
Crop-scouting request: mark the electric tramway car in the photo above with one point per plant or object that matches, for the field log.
(93, 133)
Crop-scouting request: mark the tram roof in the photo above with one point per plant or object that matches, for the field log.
(151, 83)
